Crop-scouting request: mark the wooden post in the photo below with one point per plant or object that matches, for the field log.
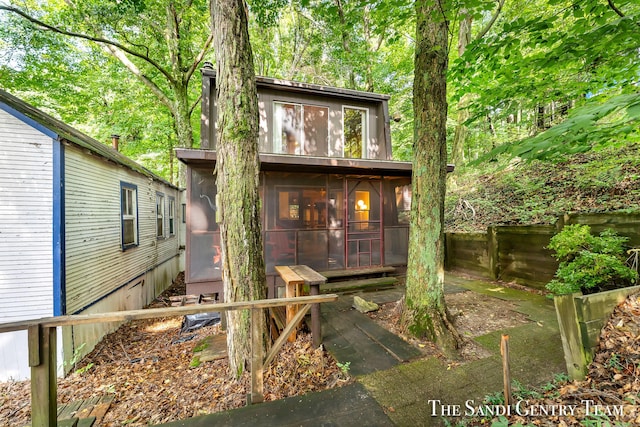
(292, 309)
(506, 373)
(42, 359)
(575, 356)
(493, 250)
(316, 328)
(257, 378)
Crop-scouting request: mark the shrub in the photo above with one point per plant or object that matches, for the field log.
(589, 263)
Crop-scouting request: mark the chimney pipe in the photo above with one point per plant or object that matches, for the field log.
(115, 139)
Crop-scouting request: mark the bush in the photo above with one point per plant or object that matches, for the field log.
(589, 263)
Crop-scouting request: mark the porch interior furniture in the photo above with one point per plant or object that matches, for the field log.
(281, 246)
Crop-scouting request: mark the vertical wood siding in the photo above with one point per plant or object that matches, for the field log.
(96, 265)
(26, 273)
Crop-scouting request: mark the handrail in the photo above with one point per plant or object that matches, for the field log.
(43, 354)
(151, 313)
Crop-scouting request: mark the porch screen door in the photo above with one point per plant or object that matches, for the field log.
(364, 225)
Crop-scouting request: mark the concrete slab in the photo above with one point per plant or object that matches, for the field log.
(340, 407)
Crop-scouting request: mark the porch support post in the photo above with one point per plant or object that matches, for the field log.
(42, 360)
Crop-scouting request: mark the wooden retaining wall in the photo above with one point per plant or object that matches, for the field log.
(518, 253)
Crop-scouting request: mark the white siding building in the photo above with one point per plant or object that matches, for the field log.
(83, 229)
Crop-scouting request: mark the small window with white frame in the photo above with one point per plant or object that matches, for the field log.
(172, 215)
(355, 126)
(160, 213)
(129, 215)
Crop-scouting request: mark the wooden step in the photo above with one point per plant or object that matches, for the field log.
(335, 275)
(371, 284)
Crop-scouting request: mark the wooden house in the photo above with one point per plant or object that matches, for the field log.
(333, 198)
(84, 229)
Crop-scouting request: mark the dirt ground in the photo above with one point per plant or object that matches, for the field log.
(150, 367)
(473, 315)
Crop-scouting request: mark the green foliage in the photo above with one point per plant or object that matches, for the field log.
(195, 362)
(589, 263)
(75, 360)
(344, 368)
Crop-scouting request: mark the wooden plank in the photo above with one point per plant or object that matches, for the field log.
(152, 313)
(601, 305)
(291, 290)
(215, 348)
(34, 345)
(87, 406)
(309, 275)
(288, 275)
(71, 410)
(44, 391)
(86, 422)
(69, 422)
(101, 409)
(336, 274)
(575, 356)
(355, 285)
(283, 336)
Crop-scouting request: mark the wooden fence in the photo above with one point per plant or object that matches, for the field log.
(42, 343)
(520, 254)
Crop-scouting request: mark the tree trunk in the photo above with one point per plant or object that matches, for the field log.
(238, 168)
(181, 113)
(460, 134)
(425, 312)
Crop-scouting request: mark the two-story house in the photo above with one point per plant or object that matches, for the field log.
(333, 198)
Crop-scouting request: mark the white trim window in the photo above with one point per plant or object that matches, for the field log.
(355, 132)
(160, 214)
(129, 214)
(172, 216)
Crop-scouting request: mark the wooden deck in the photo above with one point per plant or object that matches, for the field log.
(84, 413)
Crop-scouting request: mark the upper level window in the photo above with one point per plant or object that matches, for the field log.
(355, 125)
(159, 215)
(129, 214)
(172, 215)
(300, 129)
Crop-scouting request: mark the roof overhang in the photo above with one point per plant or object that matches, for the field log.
(290, 163)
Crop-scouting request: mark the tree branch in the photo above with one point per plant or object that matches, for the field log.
(101, 40)
(487, 27)
(194, 66)
(120, 56)
(615, 9)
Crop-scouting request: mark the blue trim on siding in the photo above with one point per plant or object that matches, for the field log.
(124, 285)
(59, 259)
(28, 120)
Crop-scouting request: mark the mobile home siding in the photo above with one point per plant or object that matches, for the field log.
(26, 274)
(96, 263)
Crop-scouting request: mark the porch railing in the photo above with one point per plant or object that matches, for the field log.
(42, 343)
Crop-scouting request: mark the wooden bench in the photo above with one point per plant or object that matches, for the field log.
(296, 277)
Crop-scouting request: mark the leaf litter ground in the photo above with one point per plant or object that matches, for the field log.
(151, 372)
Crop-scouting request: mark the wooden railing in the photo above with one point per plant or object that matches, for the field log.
(42, 344)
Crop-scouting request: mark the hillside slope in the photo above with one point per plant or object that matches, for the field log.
(500, 193)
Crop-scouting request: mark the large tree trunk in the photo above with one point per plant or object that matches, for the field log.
(238, 167)
(425, 311)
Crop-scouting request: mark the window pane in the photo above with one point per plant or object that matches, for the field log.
(129, 231)
(316, 130)
(354, 132)
(287, 127)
